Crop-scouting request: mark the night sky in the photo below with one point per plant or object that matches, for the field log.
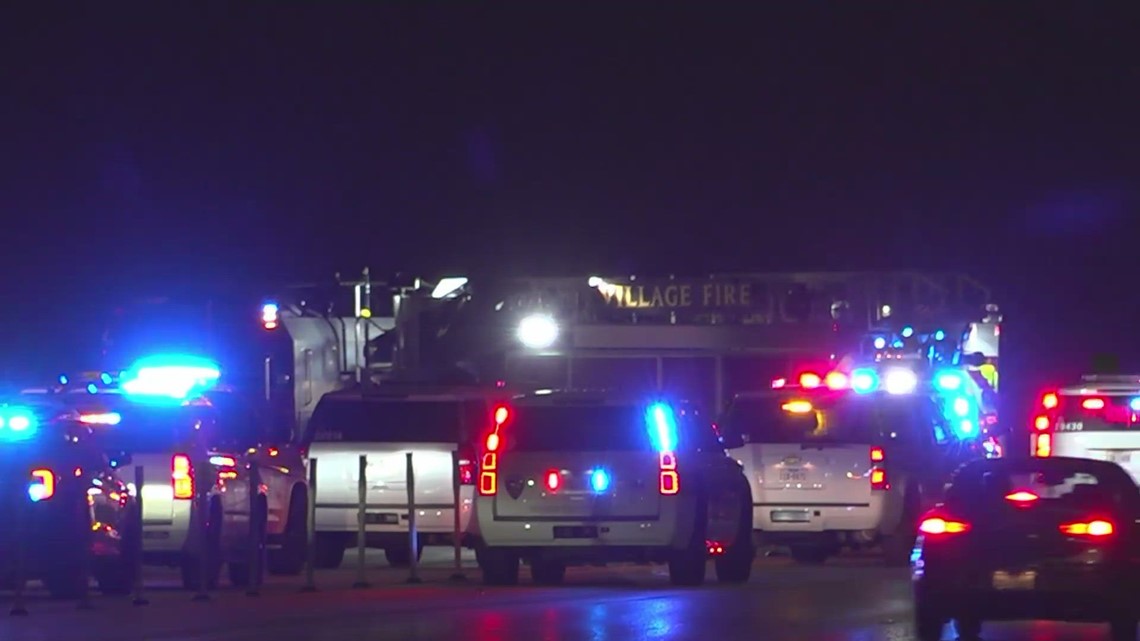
(232, 145)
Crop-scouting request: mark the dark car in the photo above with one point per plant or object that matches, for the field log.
(1053, 539)
(68, 516)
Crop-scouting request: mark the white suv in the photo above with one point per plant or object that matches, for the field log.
(834, 469)
(568, 478)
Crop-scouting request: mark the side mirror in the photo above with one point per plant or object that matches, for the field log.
(119, 459)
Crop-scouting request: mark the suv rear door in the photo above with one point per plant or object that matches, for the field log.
(601, 458)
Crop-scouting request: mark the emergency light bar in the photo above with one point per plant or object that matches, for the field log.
(170, 377)
(17, 423)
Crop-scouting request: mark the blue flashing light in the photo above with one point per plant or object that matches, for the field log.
(599, 481)
(907, 331)
(880, 342)
(63, 379)
(37, 492)
(939, 335)
(662, 423)
(17, 423)
(864, 380)
(950, 381)
(106, 378)
(961, 407)
(967, 428)
(92, 388)
(170, 377)
(897, 344)
(1135, 405)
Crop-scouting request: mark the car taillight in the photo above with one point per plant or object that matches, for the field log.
(941, 526)
(227, 466)
(42, 485)
(489, 467)
(810, 380)
(1050, 401)
(553, 480)
(1042, 423)
(1093, 404)
(1095, 528)
(182, 477)
(668, 481)
(466, 461)
(878, 469)
(1021, 498)
(1043, 445)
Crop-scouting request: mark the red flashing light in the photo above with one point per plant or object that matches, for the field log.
(939, 526)
(493, 442)
(836, 381)
(1041, 423)
(1021, 497)
(502, 413)
(553, 480)
(810, 380)
(1050, 401)
(1093, 403)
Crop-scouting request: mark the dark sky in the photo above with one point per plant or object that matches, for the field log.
(236, 142)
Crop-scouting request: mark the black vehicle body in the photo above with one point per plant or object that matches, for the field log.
(84, 526)
(1006, 555)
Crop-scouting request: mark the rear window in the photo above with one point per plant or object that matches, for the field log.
(577, 428)
(849, 419)
(389, 421)
(152, 429)
(1067, 485)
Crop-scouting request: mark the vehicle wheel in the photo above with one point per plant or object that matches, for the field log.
(289, 559)
(687, 566)
(330, 551)
(116, 575)
(735, 565)
(969, 628)
(898, 546)
(1123, 629)
(499, 566)
(547, 572)
(928, 622)
(66, 574)
(401, 557)
(809, 554)
(193, 565)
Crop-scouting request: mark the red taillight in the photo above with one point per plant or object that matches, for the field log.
(1050, 401)
(715, 548)
(1093, 404)
(1043, 445)
(668, 481)
(502, 413)
(489, 467)
(810, 380)
(878, 471)
(227, 467)
(553, 480)
(836, 381)
(1096, 528)
(939, 526)
(1042, 423)
(182, 477)
(1021, 497)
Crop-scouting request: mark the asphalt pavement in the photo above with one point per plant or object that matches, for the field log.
(849, 599)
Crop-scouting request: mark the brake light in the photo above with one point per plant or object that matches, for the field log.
(1043, 445)
(489, 467)
(1041, 423)
(1021, 497)
(878, 471)
(1050, 401)
(1093, 404)
(836, 381)
(108, 418)
(182, 477)
(810, 380)
(668, 481)
(466, 461)
(227, 466)
(797, 407)
(553, 480)
(1096, 528)
(42, 486)
(940, 526)
(502, 413)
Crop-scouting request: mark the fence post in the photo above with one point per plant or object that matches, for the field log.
(457, 532)
(361, 523)
(19, 607)
(256, 530)
(310, 584)
(202, 498)
(138, 598)
(413, 536)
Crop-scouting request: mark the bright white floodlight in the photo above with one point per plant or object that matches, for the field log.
(538, 331)
(448, 287)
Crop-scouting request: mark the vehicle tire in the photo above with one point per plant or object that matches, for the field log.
(898, 546)
(289, 559)
(809, 554)
(401, 557)
(928, 622)
(1123, 629)
(547, 572)
(193, 565)
(500, 566)
(969, 628)
(65, 576)
(687, 566)
(116, 575)
(330, 551)
(735, 565)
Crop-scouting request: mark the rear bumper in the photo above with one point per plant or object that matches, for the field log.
(392, 521)
(776, 520)
(670, 528)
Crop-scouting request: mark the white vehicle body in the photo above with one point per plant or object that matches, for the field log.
(385, 428)
(1094, 419)
(831, 470)
(568, 479)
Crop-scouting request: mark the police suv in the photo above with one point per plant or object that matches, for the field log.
(852, 463)
(195, 443)
(568, 478)
(1093, 418)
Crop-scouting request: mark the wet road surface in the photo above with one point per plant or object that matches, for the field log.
(846, 600)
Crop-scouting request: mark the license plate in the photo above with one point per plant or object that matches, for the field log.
(575, 532)
(1015, 580)
(1120, 457)
(792, 475)
(790, 516)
